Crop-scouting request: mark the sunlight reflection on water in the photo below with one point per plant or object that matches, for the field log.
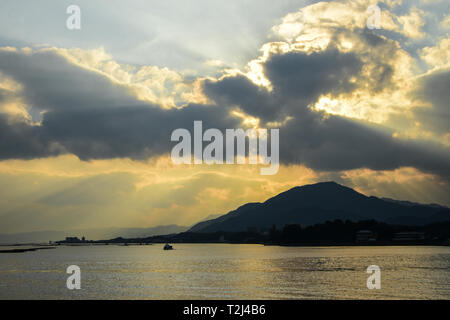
(224, 271)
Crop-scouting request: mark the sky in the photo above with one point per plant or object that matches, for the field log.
(86, 115)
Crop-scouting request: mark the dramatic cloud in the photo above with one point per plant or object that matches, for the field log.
(368, 108)
(434, 89)
(86, 113)
(94, 113)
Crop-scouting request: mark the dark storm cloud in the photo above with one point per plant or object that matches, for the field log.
(134, 132)
(240, 92)
(328, 142)
(304, 77)
(50, 82)
(87, 115)
(296, 77)
(337, 143)
(3, 96)
(92, 118)
(19, 140)
(434, 88)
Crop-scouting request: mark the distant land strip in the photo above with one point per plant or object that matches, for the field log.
(25, 249)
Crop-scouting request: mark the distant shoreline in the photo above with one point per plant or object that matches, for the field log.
(328, 244)
(25, 249)
(303, 245)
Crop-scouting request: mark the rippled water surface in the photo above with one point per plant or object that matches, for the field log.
(224, 271)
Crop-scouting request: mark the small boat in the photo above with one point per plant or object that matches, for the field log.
(168, 247)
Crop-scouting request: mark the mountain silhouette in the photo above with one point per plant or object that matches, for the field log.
(317, 203)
